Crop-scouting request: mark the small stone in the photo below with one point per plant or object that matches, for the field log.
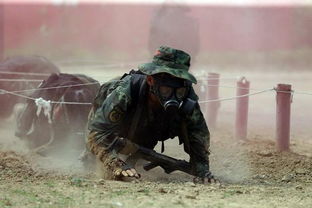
(300, 171)
(299, 187)
(1, 167)
(190, 197)
(190, 184)
(101, 181)
(297, 161)
(135, 181)
(38, 175)
(287, 178)
(162, 190)
(142, 190)
(260, 177)
(118, 204)
(265, 154)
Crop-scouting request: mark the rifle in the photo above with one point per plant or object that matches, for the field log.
(169, 164)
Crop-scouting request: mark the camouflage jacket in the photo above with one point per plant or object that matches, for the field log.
(113, 118)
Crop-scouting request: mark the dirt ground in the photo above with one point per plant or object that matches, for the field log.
(251, 172)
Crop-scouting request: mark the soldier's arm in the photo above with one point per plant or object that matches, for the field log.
(199, 142)
(105, 123)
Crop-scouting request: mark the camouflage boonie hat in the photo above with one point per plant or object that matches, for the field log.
(171, 61)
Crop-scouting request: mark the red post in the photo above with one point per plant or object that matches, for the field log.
(212, 94)
(283, 102)
(241, 120)
(1, 31)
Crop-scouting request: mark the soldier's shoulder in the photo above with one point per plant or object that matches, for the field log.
(117, 87)
(121, 88)
(121, 84)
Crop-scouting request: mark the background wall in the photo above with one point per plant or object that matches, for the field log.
(131, 32)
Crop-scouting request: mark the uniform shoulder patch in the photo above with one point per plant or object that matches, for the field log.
(115, 115)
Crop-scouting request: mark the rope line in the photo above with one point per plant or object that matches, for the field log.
(40, 74)
(70, 103)
(203, 101)
(98, 65)
(220, 78)
(257, 89)
(287, 92)
(25, 73)
(97, 62)
(77, 103)
(34, 99)
(234, 87)
(235, 97)
(48, 88)
(16, 93)
(20, 80)
(302, 93)
(58, 87)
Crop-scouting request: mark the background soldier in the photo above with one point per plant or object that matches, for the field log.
(153, 104)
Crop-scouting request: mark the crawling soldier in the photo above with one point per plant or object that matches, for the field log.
(153, 104)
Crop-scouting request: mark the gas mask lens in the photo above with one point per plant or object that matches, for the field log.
(165, 91)
(180, 92)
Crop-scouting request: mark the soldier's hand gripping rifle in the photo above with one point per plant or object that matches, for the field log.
(169, 164)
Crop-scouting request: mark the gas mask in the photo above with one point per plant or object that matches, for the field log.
(173, 94)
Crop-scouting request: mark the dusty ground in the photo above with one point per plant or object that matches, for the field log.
(252, 173)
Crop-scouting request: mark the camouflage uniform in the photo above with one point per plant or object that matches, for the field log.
(118, 104)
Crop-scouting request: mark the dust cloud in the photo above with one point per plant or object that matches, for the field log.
(56, 159)
(229, 160)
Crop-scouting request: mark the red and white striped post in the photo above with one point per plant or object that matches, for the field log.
(283, 108)
(241, 120)
(212, 94)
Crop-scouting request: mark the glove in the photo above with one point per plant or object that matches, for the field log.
(119, 169)
(203, 174)
(206, 178)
